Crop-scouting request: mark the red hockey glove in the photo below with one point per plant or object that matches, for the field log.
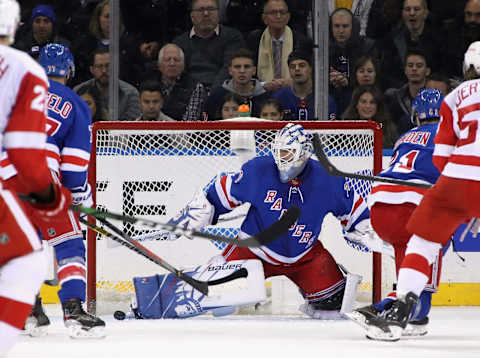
(54, 210)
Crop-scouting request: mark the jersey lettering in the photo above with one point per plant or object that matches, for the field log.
(471, 126)
(54, 102)
(52, 126)
(306, 238)
(38, 103)
(270, 196)
(277, 205)
(406, 163)
(298, 230)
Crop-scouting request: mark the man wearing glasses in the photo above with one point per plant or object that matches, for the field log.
(208, 45)
(273, 45)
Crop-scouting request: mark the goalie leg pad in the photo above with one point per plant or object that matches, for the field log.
(166, 296)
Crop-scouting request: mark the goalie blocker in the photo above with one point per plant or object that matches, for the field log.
(166, 296)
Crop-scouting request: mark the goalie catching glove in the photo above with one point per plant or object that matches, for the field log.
(197, 214)
(365, 239)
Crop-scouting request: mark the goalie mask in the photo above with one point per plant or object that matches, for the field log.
(426, 105)
(291, 150)
(57, 60)
(9, 19)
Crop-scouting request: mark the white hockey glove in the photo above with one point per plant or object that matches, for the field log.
(364, 238)
(197, 214)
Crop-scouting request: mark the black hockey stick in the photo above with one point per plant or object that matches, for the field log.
(330, 168)
(123, 239)
(275, 230)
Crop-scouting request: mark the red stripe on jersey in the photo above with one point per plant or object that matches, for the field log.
(445, 134)
(28, 115)
(65, 272)
(416, 262)
(397, 189)
(13, 312)
(74, 160)
(223, 183)
(465, 160)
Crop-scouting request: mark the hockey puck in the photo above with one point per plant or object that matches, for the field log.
(120, 315)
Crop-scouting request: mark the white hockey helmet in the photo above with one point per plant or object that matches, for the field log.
(291, 150)
(9, 18)
(472, 57)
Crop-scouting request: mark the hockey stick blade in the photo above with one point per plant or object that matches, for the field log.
(275, 230)
(331, 169)
(126, 241)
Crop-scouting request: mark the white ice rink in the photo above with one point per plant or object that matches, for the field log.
(453, 332)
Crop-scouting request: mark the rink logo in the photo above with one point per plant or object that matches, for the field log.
(4, 239)
(225, 267)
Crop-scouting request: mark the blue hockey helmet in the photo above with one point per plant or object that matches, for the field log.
(57, 60)
(426, 105)
(291, 149)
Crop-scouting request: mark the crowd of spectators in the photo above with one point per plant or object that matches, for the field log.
(196, 60)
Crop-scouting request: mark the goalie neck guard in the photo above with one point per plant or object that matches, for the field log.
(291, 150)
(426, 105)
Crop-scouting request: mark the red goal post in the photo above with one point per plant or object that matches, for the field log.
(151, 169)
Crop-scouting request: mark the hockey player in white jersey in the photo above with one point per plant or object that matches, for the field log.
(271, 184)
(391, 205)
(68, 152)
(440, 213)
(23, 96)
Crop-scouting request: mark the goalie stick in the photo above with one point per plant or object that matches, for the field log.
(331, 169)
(264, 237)
(123, 239)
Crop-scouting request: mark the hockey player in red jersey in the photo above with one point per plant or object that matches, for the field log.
(392, 205)
(453, 200)
(68, 155)
(23, 94)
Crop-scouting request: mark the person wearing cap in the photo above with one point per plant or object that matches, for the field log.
(42, 31)
(297, 99)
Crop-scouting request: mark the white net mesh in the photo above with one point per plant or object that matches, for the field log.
(154, 172)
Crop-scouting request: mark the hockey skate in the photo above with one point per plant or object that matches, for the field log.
(416, 328)
(390, 325)
(37, 322)
(79, 323)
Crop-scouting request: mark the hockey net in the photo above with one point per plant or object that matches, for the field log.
(152, 170)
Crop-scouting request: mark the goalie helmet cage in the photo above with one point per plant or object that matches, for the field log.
(152, 169)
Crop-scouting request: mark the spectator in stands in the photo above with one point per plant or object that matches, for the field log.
(272, 109)
(242, 69)
(272, 46)
(367, 104)
(464, 31)
(297, 99)
(128, 96)
(183, 96)
(151, 102)
(43, 31)
(365, 71)
(440, 82)
(91, 96)
(346, 46)
(399, 100)
(208, 45)
(359, 8)
(98, 37)
(414, 32)
(228, 107)
(141, 60)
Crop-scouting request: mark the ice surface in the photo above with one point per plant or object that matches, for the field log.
(453, 332)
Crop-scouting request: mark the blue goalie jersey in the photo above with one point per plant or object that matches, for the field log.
(315, 192)
(69, 136)
(411, 161)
